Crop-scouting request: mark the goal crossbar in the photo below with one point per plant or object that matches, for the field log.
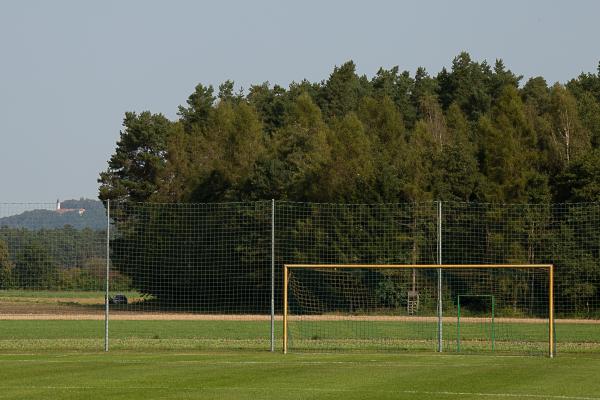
(548, 267)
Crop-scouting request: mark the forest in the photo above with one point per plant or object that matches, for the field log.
(41, 248)
(515, 162)
(474, 132)
(55, 259)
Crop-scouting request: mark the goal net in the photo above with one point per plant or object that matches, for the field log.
(455, 308)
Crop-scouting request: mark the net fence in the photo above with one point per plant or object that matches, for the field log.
(396, 308)
(207, 276)
(201, 274)
(52, 277)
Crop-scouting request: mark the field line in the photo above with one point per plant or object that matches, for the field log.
(508, 395)
(305, 389)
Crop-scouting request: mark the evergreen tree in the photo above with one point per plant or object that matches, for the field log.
(350, 174)
(468, 84)
(134, 168)
(301, 151)
(384, 126)
(399, 88)
(341, 93)
(580, 182)
(506, 142)
(271, 105)
(200, 103)
(230, 146)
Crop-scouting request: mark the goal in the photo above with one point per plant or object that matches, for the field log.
(455, 308)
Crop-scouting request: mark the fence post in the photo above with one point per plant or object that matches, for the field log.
(272, 274)
(107, 275)
(439, 257)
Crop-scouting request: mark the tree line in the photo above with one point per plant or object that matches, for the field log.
(474, 132)
(55, 259)
(470, 135)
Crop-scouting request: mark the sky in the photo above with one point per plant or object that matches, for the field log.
(69, 70)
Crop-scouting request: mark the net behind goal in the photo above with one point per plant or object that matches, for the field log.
(457, 308)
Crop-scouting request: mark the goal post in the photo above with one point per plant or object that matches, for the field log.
(395, 307)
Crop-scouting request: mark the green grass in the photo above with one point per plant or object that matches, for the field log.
(225, 359)
(87, 335)
(86, 329)
(262, 375)
(62, 359)
(509, 337)
(326, 335)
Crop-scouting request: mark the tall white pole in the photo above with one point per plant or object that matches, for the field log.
(439, 257)
(272, 274)
(107, 275)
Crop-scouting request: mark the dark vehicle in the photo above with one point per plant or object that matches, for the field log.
(118, 299)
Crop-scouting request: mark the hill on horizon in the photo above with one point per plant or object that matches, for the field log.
(94, 216)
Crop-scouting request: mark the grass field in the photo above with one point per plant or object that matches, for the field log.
(55, 301)
(38, 326)
(263, 375)
(87, 335)
(228, 358)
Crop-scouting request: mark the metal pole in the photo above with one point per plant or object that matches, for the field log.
(285, 307)
(458, 326)
(272, 274)
(107, 275)
(551, 311)
(440, 334)
(493, 326)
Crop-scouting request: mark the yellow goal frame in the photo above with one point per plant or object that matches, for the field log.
(549, 267)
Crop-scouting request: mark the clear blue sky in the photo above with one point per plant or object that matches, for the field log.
(70, 69)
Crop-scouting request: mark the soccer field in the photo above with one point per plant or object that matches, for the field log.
(263, 375)
(158, 335)
(227, 357)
